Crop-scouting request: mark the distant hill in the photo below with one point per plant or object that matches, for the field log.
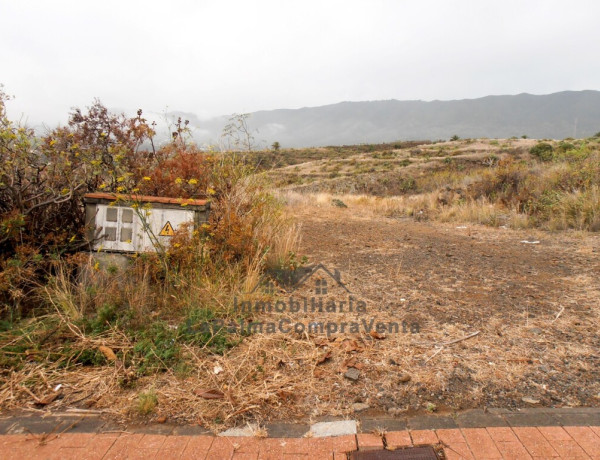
(558, 115)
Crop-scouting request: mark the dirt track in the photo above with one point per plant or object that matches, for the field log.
(456, 281)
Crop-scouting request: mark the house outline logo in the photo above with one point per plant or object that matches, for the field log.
(322, 283)
(286, 280)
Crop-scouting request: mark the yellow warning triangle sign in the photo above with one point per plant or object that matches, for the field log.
(167, 230)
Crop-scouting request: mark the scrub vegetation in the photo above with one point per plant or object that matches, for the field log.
(521, 183)
(62, 313)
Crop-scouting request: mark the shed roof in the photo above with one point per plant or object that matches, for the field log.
(101, 196)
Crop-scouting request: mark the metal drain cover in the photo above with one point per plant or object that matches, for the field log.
(410, 453)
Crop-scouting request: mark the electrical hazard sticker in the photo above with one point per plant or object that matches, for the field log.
(167, 230)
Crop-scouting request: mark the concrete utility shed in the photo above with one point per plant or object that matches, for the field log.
(115, 225)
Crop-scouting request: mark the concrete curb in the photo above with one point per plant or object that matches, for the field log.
(327, 426)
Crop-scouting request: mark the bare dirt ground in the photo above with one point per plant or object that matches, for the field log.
(535, 307)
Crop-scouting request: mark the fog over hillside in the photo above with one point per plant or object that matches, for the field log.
(557, 115)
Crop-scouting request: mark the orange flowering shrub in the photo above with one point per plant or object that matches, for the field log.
(181, 172)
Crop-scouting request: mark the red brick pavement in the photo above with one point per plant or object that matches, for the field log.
(579, 442)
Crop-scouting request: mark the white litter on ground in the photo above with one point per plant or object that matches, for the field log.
(340, 428)
(236, 432)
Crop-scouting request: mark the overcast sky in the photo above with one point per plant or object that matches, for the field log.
(218, 57)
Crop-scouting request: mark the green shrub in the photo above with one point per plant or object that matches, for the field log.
(407, 184)
(202, 328)
(338, 203)
(104, 318)
(157, 348)
(543, 151)
(90, 357)
(565, 147)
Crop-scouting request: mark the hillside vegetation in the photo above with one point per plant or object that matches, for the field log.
(516, 182)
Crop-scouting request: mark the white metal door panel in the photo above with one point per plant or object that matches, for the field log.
(116, 225)
(158, 219)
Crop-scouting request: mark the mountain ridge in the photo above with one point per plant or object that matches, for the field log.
(556, 115)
